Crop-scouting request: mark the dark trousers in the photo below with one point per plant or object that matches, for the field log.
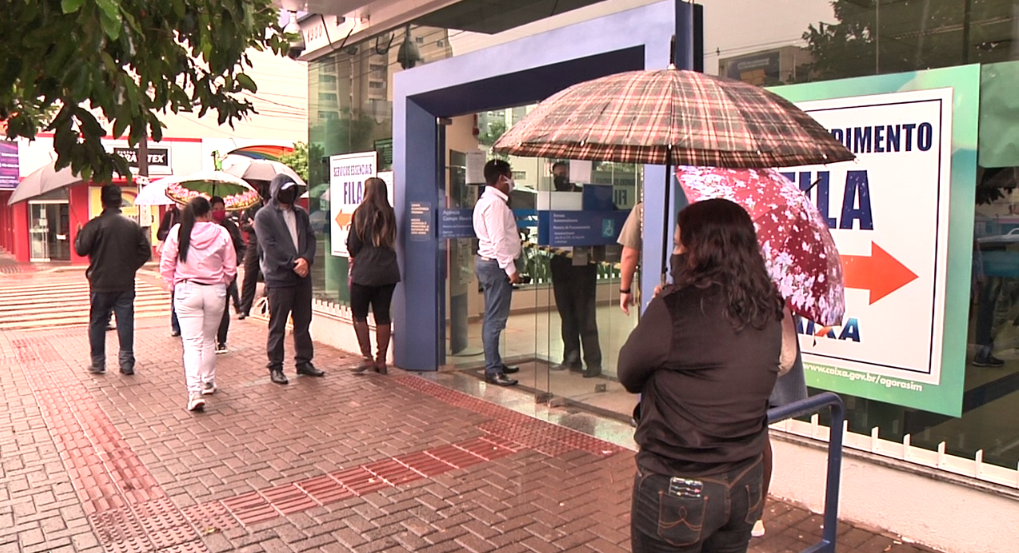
(224, 323)
(669, 519)
(576, 289)
(174, 323)
(987, 301)
(104, 304)
(284, 302)
(378, 298)
(251, 271)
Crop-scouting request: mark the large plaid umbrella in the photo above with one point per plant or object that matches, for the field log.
(800, 253)
(672, 117)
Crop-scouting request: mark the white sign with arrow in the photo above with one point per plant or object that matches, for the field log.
(888, 214)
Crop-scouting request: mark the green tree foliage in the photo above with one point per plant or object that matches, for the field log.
(298, 160)
(130, 60)
(494, 131)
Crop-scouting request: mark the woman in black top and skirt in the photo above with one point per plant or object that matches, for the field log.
(374, 274)
(704, 356)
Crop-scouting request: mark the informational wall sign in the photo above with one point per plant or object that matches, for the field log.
(9, 165)
(347, 174)
(889, 213)
(456, 223)
(476, 167)
(420, 221)
(584, 228)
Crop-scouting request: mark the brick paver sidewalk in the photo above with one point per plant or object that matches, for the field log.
(345, 463)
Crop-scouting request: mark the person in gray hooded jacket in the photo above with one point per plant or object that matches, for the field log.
(287, 242)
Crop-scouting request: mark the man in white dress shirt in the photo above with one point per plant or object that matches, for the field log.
(498, 249)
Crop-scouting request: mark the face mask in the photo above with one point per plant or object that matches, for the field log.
(562, 183)
(677, 264)
(286, 196)
(219, 215)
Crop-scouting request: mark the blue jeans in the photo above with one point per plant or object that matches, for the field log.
(103, 305)
(498, 294)
(717, 518)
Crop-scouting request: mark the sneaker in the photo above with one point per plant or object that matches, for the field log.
(196, 403)
(221, 348)
(988, 360)
(758, 531)
(96, 369)
(209, 388)
(175, 333)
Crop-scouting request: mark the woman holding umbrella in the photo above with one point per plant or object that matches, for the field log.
(705, 356)
(198, 262)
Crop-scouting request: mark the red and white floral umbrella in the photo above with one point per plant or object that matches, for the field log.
(797, 246)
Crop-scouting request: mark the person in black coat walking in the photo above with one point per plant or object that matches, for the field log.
(116, 247)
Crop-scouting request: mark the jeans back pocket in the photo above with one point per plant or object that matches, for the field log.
(681, 519)
(755, 501)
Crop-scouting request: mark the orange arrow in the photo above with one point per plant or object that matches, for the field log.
(879, 273)
(343, 219)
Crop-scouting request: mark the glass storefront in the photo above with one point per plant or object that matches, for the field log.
(808, 41)
(785, 42)
(350, 101)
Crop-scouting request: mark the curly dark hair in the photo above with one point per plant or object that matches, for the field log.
(722, 252)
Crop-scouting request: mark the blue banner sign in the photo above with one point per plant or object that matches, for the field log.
(456, 223)
(420, 221)
(582, 228)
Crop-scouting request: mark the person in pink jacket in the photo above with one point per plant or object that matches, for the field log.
(198, 262)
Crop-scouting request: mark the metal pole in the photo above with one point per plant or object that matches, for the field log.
(668, 209)
(809, 406)
(143, 171)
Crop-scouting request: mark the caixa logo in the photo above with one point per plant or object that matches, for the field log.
(850, 331)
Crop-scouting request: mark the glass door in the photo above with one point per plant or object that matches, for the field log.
(38, 232)
(587, 204)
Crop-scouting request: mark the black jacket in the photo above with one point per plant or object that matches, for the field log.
(116, 247)
(170, 218)
(373, 265)
(235, 237)
(705, 386)
(248, 219)
(278, 253)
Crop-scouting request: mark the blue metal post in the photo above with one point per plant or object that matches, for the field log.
(831, 495)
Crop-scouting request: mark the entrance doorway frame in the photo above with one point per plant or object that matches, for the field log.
(519, 72)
